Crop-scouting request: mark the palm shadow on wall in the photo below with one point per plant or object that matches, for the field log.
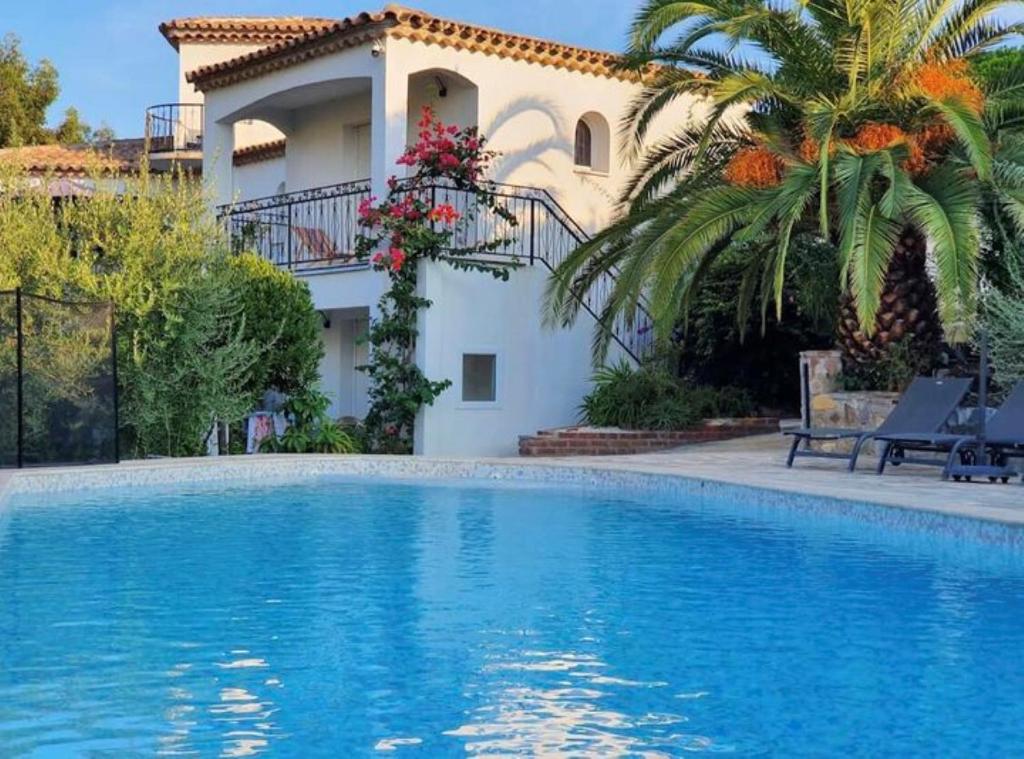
(536, 154)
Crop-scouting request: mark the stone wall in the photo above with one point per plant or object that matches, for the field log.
(598, 441)
(859, 410)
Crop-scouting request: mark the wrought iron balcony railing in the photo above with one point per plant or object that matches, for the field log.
(316, 230)
(174, 128)
(312, 229)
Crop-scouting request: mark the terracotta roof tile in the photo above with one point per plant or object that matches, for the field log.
(406, 23)
(239, 29)
(76, 160)
(263, 151)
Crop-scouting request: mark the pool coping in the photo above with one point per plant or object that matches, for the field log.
(991, 523)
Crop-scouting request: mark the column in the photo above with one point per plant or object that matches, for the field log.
(218, 150)
(388, 119)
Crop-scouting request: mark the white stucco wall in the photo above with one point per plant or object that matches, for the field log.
(258, 180)
(323, 144)
(542, 374)
(529, 112)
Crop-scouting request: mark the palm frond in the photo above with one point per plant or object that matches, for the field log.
(970, 131)
(945, 206)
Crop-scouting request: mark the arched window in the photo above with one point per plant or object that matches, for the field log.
(584, 152)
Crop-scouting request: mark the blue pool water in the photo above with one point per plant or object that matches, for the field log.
(350, 618)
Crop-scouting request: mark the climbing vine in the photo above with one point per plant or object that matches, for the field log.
(396, 234)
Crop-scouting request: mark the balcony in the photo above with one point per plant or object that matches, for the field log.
(174, 135)
(300, 231)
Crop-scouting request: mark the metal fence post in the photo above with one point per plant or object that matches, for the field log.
(113, 368)
(289, 237)
(20, 370)
(533, 228)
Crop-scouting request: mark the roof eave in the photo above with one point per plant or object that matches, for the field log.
(281, 55)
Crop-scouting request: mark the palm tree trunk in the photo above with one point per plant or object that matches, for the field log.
(908, 308)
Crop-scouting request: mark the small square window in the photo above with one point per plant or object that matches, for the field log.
(479, 377)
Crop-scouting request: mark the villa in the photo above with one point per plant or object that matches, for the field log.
(295, 121)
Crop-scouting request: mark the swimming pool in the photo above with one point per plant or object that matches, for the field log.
(348, 617)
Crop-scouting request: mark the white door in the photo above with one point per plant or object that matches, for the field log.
(361, 383)
(361, 142)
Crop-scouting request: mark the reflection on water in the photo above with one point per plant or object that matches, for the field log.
(557, 717)
(242, 718)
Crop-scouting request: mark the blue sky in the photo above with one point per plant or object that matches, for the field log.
(113, 62)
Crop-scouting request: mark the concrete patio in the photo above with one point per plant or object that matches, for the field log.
(760, 462)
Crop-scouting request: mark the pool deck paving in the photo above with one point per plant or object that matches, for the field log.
(757, 461)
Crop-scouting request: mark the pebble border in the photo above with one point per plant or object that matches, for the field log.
(284, 470)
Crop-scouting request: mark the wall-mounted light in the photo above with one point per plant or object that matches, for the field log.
(377, 49)
(326, 319)
(442, 88)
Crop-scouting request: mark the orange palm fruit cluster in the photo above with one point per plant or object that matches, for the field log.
(949, 79)
(809, 149)
(755, 167)
(934, 138)
(875, 136)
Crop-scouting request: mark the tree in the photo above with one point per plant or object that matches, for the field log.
(103, 134)
(72, 130)
(25, 94)
(860, 122)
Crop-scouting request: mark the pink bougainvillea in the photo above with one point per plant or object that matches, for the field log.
(413, 224)
(445, 150)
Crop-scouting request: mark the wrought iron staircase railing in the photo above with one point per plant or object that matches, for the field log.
(315, 230)
(545, 235)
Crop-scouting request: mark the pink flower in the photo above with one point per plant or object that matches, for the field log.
(448, 161)
(366, 207)
(445, 213)
(397, 258)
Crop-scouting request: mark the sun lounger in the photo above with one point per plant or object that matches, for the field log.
(317, 244)
(1003, 440)
(923, 409)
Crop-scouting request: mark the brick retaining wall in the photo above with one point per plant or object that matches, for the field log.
(593, 441)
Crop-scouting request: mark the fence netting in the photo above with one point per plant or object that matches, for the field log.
(58, 382)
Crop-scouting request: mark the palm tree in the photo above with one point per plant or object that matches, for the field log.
(855, 120)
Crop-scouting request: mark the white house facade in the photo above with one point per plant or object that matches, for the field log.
(302, 119)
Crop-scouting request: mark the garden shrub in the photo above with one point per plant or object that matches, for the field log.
(201, 335)
(893, 372)
(279, 312)
(1003, 318)
(310, 429)
(762, 357)
(651, 398)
